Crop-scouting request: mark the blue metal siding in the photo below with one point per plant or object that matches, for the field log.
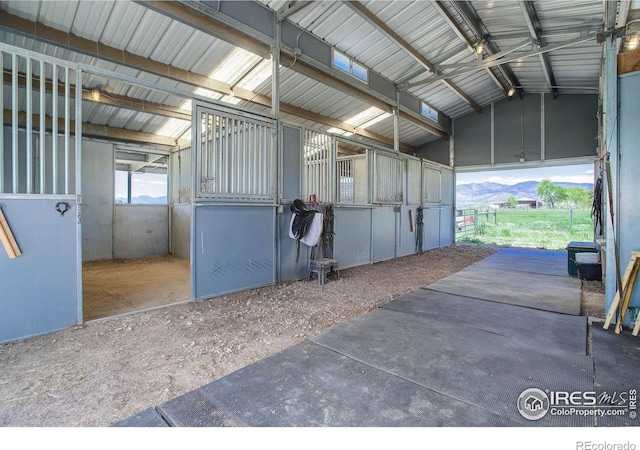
(39, 287)
(234, 248)
(384, 233)
(628, 176)
(352, 245)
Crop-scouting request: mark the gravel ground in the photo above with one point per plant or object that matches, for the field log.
(106, 370)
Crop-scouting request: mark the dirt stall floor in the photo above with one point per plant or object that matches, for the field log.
(109, 369)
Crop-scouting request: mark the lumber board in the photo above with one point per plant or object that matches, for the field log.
(6, 236)
(616, 299)
(627, 296)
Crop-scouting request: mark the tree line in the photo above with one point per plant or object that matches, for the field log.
(555, 195)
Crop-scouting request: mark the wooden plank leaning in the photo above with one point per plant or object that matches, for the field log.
(625, 281)
(6, 236)
(626, 296)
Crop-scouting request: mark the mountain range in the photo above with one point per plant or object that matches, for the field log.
(487, 192)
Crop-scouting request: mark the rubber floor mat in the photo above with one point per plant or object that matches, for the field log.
(530, 327)
(617, 375)
(147, 419)
(526, 260)
(309, 385)
(532, 290)
(474, 366)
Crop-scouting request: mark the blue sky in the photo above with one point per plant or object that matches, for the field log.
(582, 173)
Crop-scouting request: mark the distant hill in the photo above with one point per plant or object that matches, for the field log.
(487, 193)
(144, 200)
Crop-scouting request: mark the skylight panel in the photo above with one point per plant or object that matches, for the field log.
(234, 66)
(366, 117)
(257, 76)
(174, 128)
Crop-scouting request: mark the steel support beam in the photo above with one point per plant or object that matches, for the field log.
(475, 24)
(507, 59)
(457, 29)
(373, 20)
(291, 8)
(92, 130)
(535, 28)
(111, 99)
(74, 43)
(215, 28)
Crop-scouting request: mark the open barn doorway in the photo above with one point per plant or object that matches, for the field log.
(545, 207)
(131, 263)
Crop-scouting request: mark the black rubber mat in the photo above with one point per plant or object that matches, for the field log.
(528, 260)
(146, 419)
(532, 290)
(533, 328)
(617, 375)
(474, 366)
(308, 385)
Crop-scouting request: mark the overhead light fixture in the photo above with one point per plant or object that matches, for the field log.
(95, 95)
(511, 92)
(633, 41)
(480, 47)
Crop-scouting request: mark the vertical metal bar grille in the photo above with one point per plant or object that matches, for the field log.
(29, 133)
(54, 129)
(346, 180)
(15, 106)
(319, 166)
(30, 163)
(43, 114)
(389, 175)
(67, 128)
(2, 146)
(235, 157)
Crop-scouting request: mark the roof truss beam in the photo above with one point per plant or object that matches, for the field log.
(535, 28)
(503, 59)
(92, 130)
(477, 27)
(372, 19)
(74, 43)
(457, 29)
(291, 8)
(111, 99)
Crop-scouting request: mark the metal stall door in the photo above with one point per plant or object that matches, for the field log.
(234, 212)
(40, 274)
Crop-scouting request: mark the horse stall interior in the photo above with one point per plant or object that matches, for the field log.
(130, 261)
(154, 205)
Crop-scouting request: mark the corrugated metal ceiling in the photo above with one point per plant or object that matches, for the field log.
(136, 29)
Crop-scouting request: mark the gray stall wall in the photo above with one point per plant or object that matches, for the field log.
(233, 249)
(547, 128)
(141, 231)
(39, 288)
(181, 231)
(97, 198)
(628, 212)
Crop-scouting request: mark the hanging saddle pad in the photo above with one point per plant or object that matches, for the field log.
(313, 232)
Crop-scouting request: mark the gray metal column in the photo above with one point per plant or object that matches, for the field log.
(610, 139)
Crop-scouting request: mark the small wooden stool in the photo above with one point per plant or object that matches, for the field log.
(321, 267)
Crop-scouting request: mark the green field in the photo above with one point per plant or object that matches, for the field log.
(543, 228)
